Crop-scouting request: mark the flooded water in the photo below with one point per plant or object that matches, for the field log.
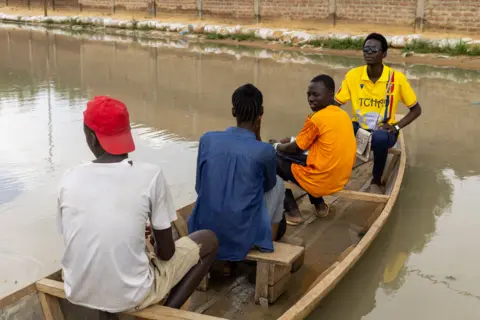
(422, 266)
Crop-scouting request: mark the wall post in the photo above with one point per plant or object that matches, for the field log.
(420, 16)
(113, 6)
(332, 12)
(200, 9)
(154, 8)
(256, 10)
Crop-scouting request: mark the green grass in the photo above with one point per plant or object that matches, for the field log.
(425, 46)
(237, 37)
(339, 44)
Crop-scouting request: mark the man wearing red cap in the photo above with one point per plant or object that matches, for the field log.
(103, 208)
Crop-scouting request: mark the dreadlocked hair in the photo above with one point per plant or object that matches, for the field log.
(247, 101)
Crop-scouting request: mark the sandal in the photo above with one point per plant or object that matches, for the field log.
(324, 212)
(293, 219)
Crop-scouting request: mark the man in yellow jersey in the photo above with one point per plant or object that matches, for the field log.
(321, 157)
(375, 90)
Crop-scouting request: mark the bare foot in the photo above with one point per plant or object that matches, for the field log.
(322, 210)
(294, 218)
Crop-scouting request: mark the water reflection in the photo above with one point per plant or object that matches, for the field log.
(176, 94)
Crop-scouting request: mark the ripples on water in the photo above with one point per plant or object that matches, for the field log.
(423, 264)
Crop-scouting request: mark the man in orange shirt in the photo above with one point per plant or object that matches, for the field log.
(321, 157)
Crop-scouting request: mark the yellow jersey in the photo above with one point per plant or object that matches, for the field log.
(328, 136)
(373, 103)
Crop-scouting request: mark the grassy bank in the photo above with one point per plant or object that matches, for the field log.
(426, 46)
(289, 38)
(356, 43)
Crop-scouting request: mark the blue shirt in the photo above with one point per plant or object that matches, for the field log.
(234, 171)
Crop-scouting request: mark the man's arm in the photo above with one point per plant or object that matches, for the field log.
(413, 114)
(304, 140)
(164, 244)
(198, 170)
(270, 171)
(343, 94)
(161, 217)
(409, 98)
(291, 148)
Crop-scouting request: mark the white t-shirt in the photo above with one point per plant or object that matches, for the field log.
(102, 213)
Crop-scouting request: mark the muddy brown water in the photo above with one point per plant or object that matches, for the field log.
(424, 264)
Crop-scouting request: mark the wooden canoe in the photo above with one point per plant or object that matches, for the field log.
(332, 247)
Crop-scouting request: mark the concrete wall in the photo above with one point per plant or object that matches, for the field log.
(451, 15)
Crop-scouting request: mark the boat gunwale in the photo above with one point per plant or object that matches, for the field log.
(310, 300)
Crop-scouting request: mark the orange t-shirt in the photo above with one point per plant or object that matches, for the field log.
(328, 136)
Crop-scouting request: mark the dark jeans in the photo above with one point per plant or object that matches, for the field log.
(284, 170)
(382, 140)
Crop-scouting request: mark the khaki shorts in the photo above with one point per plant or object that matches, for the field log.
(167, 274)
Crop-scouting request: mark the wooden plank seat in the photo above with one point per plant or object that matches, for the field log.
(273, 271)
(50, 291)
(349, 194)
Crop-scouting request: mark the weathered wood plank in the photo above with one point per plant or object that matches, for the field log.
(350, 194)
(283, 254)
(51, 287)
(17, 295)
(156, 312)
(323, 275)
(346, 252)
(275, 291)
(51, 307)
(390, 167)
(261, 283)
(362, 196)
(277, 273)
(395, 151)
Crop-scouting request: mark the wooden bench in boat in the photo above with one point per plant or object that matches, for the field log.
(273, 268)
(49, 291)
(273, 271)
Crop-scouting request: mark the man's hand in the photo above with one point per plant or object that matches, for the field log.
(388, 127)
(282, 141)
(148, 231)
(272, 141)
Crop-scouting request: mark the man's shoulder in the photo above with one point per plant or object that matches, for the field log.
(399, 75)
(88, 168)
(211, 136)
(355, 73)
(329, 115)
(263, 151)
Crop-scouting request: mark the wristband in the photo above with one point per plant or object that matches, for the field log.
(275, 145)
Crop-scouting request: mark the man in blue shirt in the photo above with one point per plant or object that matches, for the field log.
(240, 197)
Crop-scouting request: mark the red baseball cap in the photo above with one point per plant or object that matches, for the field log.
(110, 121)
